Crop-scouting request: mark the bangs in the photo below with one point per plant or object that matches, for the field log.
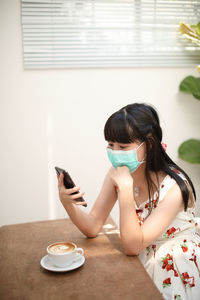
(117, 129)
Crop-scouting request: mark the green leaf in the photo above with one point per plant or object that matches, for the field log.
(190, 151)
(191, 85)
(197, 27)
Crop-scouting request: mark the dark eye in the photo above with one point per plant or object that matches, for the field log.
(122, 147)
(110, 145)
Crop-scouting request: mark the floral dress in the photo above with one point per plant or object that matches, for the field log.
(173, 260)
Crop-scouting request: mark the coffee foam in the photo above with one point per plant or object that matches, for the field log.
(60, 248)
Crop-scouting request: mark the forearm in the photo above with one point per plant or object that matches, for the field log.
(85, 222)
(130, 230)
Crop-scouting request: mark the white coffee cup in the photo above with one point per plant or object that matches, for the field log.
(63, 254)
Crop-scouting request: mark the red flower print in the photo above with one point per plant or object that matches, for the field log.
(171, 231)
(194, 259)
(185, 275)
(154, 249)
(187, 280)
(154, 204)
(166, 282)
(177, 297)
(169, 267)
(185, 249)
(139, 211)
(148, 250)
(176, 273)
(168, 264)
(162, 186)
(139, 218)
(184, 246)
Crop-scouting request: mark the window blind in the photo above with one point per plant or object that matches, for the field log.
(107, 33)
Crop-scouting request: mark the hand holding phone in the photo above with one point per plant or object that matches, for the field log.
(68, 183)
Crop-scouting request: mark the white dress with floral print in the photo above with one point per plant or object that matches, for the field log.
(173, 260)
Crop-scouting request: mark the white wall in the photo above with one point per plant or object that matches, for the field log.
(56, 117)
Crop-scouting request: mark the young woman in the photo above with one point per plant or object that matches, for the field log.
(156, 202)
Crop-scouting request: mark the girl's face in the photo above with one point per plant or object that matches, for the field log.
(141, 151)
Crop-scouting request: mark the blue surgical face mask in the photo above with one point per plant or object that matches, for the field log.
(119, 158)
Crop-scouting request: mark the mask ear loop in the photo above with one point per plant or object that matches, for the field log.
(143, 160)
(139, 145)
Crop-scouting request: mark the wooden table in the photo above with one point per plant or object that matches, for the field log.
(106, 274)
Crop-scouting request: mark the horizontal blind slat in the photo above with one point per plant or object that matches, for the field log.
(107, 33)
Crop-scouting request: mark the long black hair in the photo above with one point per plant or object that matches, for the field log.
(140, 122)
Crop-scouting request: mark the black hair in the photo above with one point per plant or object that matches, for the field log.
(140, 122)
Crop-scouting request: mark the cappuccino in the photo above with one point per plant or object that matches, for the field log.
(62, 254)
(61, 248)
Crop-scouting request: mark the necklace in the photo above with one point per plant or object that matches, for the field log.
(136, 191)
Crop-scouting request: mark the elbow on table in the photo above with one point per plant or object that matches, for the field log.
(131, 253)
(91, 234)
(132, 247)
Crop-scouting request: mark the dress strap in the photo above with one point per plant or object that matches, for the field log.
(165, 186)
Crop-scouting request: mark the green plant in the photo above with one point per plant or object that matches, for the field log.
(189, 150)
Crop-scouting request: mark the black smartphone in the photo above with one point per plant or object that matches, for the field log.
(68, 183)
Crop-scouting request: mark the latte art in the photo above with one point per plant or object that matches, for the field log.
(60, 248)
(62, 254)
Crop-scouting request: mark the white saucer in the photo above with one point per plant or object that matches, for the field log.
(46, 264)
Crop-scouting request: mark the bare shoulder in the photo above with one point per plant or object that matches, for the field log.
(173, 198)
